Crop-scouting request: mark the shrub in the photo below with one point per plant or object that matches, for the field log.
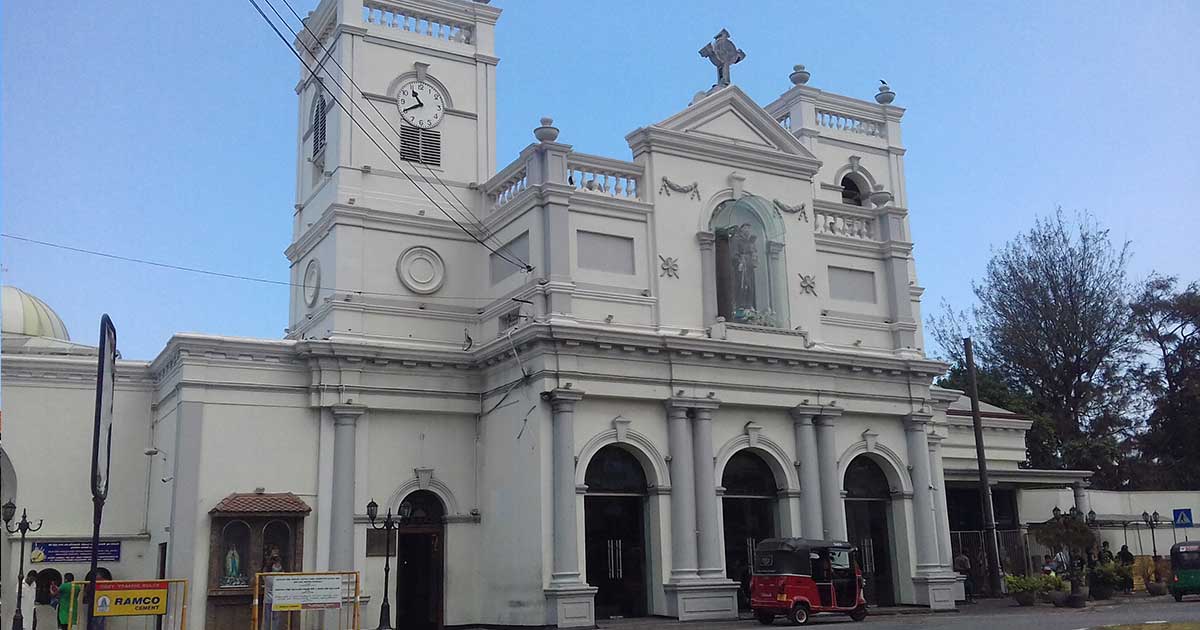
(1109, 574)
(1023, 584)
(1053, 583)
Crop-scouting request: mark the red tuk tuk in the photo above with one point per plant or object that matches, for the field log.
(797, 578)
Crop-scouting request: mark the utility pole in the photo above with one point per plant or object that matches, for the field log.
(985, 489)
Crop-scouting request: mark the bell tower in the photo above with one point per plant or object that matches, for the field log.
(374, 185)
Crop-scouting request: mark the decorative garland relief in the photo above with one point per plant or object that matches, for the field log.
(691, 190)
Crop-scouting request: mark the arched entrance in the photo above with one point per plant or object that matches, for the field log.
(868, 499)
(750, 508)
(419, 563)
(614, 532)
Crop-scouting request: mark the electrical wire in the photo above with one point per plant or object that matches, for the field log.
(518, 263)
(232, 276)
(328, 54)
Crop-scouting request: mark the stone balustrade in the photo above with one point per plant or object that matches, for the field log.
(506, 185)
(786, 121)
(392, 16)
(846, 225)
(605, 176)
(850, 124)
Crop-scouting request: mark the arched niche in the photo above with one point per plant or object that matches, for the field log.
(771, 452)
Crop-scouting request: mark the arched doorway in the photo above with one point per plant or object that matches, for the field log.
(868, 499)
(750, 508)
(419, 563)
(614, 532)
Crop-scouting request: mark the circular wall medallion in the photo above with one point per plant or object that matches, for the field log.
(421, 269)
(312, 282)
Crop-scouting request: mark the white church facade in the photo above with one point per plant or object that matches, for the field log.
(717, 341)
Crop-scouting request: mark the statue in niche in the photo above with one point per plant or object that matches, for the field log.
(233, 575)
(745, 266)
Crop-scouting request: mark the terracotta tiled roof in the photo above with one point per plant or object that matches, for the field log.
(251, 502)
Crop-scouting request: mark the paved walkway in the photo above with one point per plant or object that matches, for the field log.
(986, 614)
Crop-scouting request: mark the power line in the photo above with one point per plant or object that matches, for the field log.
(232, 276)
(328, 54)
(518, 263)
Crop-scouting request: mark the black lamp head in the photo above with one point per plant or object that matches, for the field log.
(9, 510)
(405, 510)
(1056, 512)
(1146, 517)
(372, 510)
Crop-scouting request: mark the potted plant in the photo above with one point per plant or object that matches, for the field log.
(1067, 532)
(1106, 578)
(1052, 584)
(1024, 589)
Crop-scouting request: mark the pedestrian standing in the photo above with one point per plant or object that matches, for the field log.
(68, 602)
(962, 566)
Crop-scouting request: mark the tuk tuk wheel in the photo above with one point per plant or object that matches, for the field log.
(799, 615)
(858, 614)
(1178, 596)
(765, 618)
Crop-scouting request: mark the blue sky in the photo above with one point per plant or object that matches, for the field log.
(165, 130)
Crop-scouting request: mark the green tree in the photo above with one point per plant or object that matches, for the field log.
(1167, 321)
(1053, 331)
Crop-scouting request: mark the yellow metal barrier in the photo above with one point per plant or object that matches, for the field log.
(328, 600)
(131, 605)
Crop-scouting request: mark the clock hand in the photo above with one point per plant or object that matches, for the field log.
(418, 105)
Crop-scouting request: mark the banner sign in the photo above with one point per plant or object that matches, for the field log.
(80, 551)
(131, 599)
(306, 592)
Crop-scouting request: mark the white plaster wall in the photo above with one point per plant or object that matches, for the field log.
(1037, 504)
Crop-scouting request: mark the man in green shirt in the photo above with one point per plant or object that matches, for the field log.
(68, 604)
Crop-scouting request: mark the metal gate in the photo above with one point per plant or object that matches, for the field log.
(1010, 543)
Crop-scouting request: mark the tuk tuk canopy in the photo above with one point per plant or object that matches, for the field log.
(792, 556)
(1186, 556)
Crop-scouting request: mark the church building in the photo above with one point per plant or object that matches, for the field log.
(592, 383)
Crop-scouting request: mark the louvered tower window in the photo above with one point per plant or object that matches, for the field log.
(318, 126)
(423, 146)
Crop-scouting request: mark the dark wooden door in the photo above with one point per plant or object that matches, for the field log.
(616, 555)
(419, 571)
(867, 524)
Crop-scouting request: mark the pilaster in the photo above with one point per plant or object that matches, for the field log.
(571, 601)
(341, 539)
(683, 493)
(708, 272)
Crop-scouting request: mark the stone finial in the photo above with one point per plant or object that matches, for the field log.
(799, 75)
(885, 95)
(547, 132)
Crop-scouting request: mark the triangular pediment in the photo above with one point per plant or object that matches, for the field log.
(728, 115)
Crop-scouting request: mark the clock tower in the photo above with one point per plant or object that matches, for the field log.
(383, 188)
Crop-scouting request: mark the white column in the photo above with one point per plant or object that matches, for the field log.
(923, 515)
(811, 523)
(566, 555)
(779, 285)
(683, 493)
(941, 514)
(833, 508)
(1082, 501)
(341, 534)
(708, 275)
(708, 542)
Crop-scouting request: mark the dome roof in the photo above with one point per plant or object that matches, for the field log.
(24, 314)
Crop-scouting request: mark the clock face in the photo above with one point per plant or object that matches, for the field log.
(421, 104)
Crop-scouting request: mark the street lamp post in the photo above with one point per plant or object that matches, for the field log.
(388, 524)
(1152, 521)
(8, 511)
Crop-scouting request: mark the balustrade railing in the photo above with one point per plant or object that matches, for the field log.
(847, 225)
(507, 185)
(391, 16)
(786, 121)
(851, 124)
(603, 176)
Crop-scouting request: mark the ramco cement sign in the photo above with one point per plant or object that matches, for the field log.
(129, 599)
